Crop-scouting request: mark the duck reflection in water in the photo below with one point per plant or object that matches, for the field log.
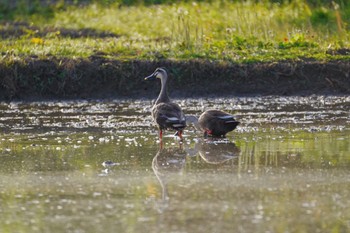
(217, 151)
(167, 163)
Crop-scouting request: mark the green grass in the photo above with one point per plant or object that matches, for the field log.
(218, 30)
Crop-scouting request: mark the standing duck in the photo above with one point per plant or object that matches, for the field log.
(214, 123)
(166, 114)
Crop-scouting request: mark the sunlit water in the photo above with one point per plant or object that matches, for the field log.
(285, 168)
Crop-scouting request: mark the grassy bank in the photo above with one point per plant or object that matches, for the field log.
(233, 31)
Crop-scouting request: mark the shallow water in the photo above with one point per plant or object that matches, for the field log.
(285, 168)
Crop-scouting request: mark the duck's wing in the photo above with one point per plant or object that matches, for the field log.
(226, 118)
(169, 115)
(217, 122)
(217, 115)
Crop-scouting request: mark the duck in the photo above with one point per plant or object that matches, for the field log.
(166, 114)
(215, 123)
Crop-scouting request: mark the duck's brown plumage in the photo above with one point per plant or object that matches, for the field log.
(217, 123)
(166, 114)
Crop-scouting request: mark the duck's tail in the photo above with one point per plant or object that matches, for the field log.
(231, 124)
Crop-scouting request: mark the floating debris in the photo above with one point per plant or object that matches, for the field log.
(109, 164)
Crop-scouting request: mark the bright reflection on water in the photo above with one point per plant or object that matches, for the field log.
(285, 169)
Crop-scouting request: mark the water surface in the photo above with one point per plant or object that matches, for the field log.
(285, 168)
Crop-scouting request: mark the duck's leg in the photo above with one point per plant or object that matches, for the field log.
(160, 135)
(179, 133)
(205, 134)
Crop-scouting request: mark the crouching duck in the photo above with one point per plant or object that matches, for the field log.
(214, 123)
(166, 114)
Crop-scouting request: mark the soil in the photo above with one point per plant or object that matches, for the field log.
(34, 78)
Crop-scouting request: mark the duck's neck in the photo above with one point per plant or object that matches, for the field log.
(163, 95)
(190, 119)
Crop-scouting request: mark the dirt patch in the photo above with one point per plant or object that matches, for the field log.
(97, 77)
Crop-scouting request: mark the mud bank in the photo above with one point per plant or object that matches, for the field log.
(97, 77)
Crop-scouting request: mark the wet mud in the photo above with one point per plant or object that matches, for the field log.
(96, 77)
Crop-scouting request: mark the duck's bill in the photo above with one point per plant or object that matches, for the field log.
(151, 77)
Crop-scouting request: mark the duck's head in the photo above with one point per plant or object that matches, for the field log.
(158, 73)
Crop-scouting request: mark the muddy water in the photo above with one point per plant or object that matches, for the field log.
(285, 169)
